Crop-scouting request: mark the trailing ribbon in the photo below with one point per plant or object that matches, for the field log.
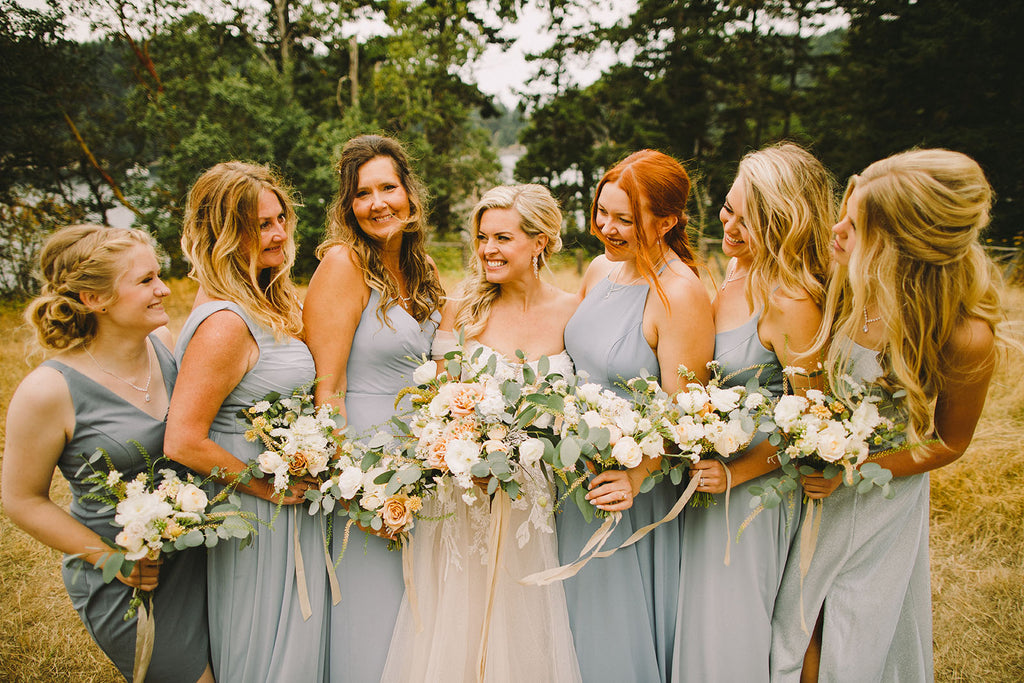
(145, 635)
(601, 536)
(808, 542)
(728, 529)
(300, 570)
(410, 584)
(332, 575)
(501, 508)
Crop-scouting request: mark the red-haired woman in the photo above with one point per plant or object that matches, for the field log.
(643, 309)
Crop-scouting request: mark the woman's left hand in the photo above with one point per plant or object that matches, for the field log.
(710, 476)
(611, 491)
(816, 486)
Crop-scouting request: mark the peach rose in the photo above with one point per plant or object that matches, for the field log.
(397, 512)
(297, 464)
(465, 397)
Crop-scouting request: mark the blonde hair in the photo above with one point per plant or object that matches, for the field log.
(424, 288)
(538, 215)
(77, 259)
(918, 259)
(789, 208)
(221, 238)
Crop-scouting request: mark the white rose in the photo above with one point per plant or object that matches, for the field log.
(191, 498)
(591, 393)
(425, 373)
(652, 445)
(627, 452)
(497, 432)
(461, 455)
(349, 481)
(788, 411)
(492, 445)
(627, 421)
(271, 462)
(724, 400)
(531, 451)
(832, 442)
(593, 419)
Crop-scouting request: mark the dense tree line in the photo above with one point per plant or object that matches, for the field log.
(172, 87)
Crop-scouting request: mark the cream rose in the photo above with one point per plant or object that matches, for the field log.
(627, 452)
(191, 498)
(425, 372)
(531, 451)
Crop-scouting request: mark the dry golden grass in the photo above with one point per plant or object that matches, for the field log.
(977, 541)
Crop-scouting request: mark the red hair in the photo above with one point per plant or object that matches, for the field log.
(664, 184)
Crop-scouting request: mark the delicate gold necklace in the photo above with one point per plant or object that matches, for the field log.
(734, 277)
(868, 321)
(149, 376)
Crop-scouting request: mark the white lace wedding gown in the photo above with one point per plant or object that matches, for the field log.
(528, 636)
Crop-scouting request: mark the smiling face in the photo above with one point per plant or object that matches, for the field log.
(273, 231)
(614, 218)
(138, 297)
(505, 251)
(845, 230)
(380, 203)
(736, 236)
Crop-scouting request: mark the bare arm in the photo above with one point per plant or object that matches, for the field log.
(40, 421)
(219, 354)
(334, 303)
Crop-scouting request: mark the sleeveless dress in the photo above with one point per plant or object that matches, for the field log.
(870, 574)
(723, 632)
(380, 364)
(528, 638)
(105, 420)
(622, 609)
(257, 632)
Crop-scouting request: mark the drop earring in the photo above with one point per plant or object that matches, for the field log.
(536, 267)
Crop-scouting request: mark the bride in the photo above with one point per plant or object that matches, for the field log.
(504, 307)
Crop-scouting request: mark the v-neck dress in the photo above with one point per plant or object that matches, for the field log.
(380, 364)
(622, 609)
(105, 420)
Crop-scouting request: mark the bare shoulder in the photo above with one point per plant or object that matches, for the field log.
(41, 401)
(681, 285)
(599, 267)
(221, 335)
(448, 315)
(972, 344)
(340, 261)
(792, 307)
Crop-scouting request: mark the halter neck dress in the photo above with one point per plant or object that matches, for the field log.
(105, 420)
(869, 575)
(257, 632)
(622, 609)
(380, 364)
(723, 632)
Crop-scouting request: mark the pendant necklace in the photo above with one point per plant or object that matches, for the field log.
(868, 321)
(733, 278)
(149, 376)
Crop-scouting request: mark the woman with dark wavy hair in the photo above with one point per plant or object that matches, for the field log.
(372, 308)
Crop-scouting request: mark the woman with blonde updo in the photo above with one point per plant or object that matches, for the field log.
(242, 341)
(109, 383)
(370, 312)
(913, 305)
(503, 308)
(776, 220)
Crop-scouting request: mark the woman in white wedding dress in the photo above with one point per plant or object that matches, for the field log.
(476, 624)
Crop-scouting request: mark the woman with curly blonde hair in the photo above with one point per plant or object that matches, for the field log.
(371, 310)
(776, 220)
(108, 384)
(914, 306)
(242, 341)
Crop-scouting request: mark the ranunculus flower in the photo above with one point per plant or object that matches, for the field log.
(627, 452)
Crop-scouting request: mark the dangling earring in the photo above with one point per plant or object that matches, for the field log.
(536, 268)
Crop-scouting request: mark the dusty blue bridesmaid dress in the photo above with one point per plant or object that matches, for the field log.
(723, 632)
(622, 609)
(257, 633)
(105, 420)
(868, 575)
(380, 364)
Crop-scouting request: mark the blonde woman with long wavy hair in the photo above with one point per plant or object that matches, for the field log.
(371, 310)
(913, 305)
(502, 308)
(243, 340)
(108, 383)
(776, 220)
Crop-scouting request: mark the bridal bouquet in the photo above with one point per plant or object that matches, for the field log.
(300, 439)
(158, 512)
(711, 420)
(829, 434)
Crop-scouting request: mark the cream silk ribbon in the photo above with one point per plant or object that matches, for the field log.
(300, 569)
(728, 528)
(332, 575)
(501, 509)
(808, 543)
(410, 583)
(600, 537)
(145, 636)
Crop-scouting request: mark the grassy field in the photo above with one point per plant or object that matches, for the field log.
(977, 541)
